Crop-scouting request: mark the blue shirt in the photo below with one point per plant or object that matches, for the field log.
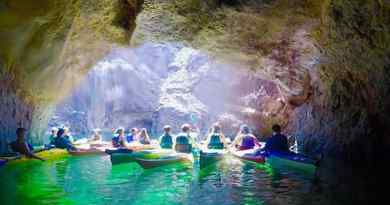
(277, 142)
(129, 138)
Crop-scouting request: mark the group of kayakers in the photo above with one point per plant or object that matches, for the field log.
(215, 139)
(182, 142)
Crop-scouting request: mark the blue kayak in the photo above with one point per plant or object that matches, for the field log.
(292, 161)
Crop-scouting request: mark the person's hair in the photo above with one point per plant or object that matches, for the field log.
(60, 132)
(119, 130)
(276, 128)
(167, 128)
(134, 129)
(185, 127)
(216, 128)
(245, 129)
(144, 132)
(20, 130)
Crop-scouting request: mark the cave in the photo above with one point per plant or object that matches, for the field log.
(320, 69)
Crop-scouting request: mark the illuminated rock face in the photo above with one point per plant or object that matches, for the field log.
(150, 86)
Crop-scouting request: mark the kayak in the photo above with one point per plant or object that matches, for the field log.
(88, 150)
(126, 156)
(248, 155)
(165, 159)
(91, 151)
(52, 154)
(210, 156)
(293, 161)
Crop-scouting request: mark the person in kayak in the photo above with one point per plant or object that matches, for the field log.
(277, 142)
(245, 139)
(62, 141)
(216, 139)
(119, 139)
(166, 140)
(183, 140)
(67, 134)
(143, 137)
(132, 135)
(20, 145)
(53, 135)
(96, 137)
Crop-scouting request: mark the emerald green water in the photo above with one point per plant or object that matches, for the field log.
(93, 180)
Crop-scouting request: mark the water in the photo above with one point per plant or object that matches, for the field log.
(93, 180)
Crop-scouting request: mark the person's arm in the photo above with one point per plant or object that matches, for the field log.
(223, 139)
(256, 141)
(32, 155)
(207, 141)
(29, 153)
(236, 140)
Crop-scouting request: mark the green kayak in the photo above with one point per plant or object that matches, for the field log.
(210, 156)
(165, 159)
(130, 156)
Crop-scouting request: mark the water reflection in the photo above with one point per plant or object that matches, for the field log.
(92, 180)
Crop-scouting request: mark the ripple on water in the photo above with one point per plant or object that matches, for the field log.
(93, 180)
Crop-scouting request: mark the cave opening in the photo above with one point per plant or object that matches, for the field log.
(159, 84)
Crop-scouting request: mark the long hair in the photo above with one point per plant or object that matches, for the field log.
(144, 134)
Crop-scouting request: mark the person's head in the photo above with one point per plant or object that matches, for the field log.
(276, 128)
(96, 131)
(60, 132)
(20, 133)
(167, 129)
(66, 130)
(216, 128)
(245, 129)
(54, 130)
(185, 128)
(120, 131)
(134, 131)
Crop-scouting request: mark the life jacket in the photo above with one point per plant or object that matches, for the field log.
(166, 141)
(116, 142)
(130, 138)
(248, 142)
(52, 139)
(183, 143)
(215, 142)
(63, 143)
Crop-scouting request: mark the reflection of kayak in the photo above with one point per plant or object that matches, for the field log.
(51, 154)
(164, 159)
(89, 149)
(292, 160)
(125, 155)
(2, 162)
(248, 155)
(210, 156)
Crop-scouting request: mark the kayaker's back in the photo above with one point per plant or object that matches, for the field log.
(166, 141)
(183, 143)
(215, 142)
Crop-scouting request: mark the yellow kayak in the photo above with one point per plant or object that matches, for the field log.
(51, 154)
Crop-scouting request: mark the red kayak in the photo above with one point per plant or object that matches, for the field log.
(248, 155)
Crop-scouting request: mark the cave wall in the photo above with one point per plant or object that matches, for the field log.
(349, 112)
(46, 47)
